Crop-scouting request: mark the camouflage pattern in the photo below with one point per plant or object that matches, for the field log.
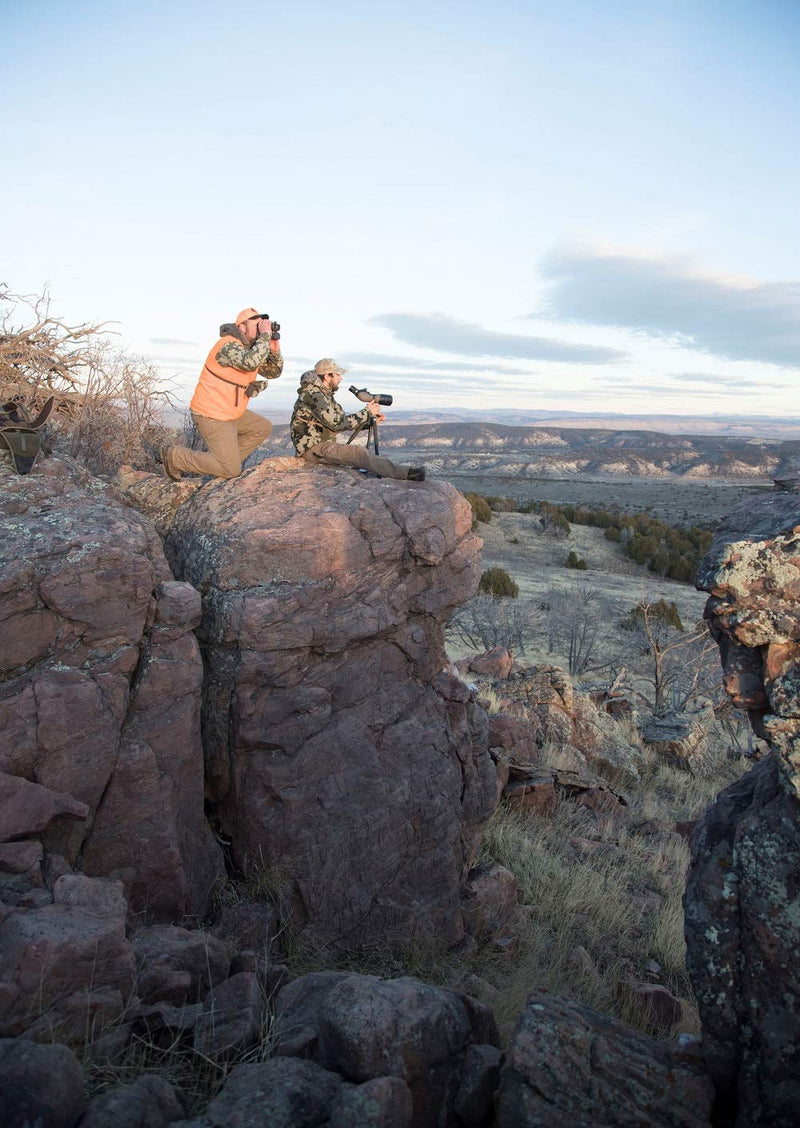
(254, 358)
(318, 418)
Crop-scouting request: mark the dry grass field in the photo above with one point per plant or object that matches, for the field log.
(678, 501)
(536, 560)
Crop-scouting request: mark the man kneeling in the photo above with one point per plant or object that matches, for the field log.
(317, 419)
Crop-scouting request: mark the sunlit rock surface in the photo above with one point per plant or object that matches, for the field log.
(342, 760)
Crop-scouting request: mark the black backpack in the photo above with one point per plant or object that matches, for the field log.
(20, 435)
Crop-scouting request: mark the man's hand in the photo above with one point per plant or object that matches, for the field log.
(264, 327)
(374, 409)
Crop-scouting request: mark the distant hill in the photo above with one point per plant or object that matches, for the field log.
(558, 451)
(735, 426)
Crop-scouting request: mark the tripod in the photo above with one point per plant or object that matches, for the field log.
(372, 433)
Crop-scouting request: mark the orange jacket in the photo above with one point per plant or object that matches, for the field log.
(220, 390)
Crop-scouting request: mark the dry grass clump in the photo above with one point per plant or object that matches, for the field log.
(591, 924)
(667, 793)
(606, 894)
(198, 1076)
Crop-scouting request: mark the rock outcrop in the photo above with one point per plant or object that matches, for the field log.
(100, 682)
(578, 736)
(340, 756)
(570, 1066)
(443, 1046)
(743, 893)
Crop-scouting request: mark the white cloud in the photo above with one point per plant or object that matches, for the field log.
(739, 319)
(447, 334)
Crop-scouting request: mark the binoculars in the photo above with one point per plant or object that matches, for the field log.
(276, 329)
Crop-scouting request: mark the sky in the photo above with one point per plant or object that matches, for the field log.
(572, 207)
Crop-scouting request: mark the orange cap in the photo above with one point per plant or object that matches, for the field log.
(246, 314)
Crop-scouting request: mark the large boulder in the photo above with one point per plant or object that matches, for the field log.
(570, 1066)
(342, 760)
(66, 968)
(148, 1102)
(742, 902)
(100, 682)
(285, 1093)
(443, 1046)
(41, 1085)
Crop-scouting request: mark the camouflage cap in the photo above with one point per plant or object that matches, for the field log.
(327, 365)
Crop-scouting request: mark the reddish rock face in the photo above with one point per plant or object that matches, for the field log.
(338, 755)
(495, 663)
(100, 680)
(569, 1064)
(558, 716)
(742, 901)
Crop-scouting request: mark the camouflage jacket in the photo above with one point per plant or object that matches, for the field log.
(249, 358)
(318, 418)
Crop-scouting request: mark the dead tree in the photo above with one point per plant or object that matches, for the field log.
(108, 404)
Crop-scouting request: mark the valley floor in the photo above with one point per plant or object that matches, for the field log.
(678, 501)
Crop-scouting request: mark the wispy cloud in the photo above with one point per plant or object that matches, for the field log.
(631, 387)
(403, 364)
(669, 298)
(725, 381)
(447, 334)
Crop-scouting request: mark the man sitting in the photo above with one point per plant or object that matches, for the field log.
(237, 368)
(317, 419)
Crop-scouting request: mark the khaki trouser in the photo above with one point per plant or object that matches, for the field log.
(229, 442)
(340, 454)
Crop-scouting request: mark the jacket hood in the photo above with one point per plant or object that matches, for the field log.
(311, 380)
(231, 330)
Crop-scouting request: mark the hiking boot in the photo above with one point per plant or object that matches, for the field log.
(416, 474)
(169, 469)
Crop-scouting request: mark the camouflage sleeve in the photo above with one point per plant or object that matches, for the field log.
(272, 367)
(354, 420)
(234, 355)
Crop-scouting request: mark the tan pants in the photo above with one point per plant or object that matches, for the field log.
(339, 454)
(229, 442)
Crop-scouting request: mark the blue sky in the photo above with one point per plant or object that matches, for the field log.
(570, 206)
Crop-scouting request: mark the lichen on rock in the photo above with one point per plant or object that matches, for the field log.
(742, 900)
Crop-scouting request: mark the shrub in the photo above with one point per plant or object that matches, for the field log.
(481, 510)
(660, 612)
(107, 404)
(496, 581)
(681, 568)
(575, 561)
(672, 551)
(555, 522)
(502, 504)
